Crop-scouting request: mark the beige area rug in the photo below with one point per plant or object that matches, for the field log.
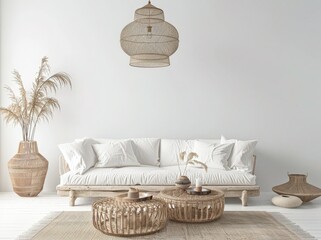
(232, 225)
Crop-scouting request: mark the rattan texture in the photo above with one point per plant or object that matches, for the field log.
(298, 186)
(183, 207)
(28, 169)
(149, 40)
(118, 218)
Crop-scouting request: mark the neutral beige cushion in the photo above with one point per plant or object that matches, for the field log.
(287, 201)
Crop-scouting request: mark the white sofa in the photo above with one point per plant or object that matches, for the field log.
(157, 170)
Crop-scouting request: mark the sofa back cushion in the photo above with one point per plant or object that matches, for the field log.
(115, 154)
(170, 149)
(146, 150)
(214, 155)
(79, 154)
(241, 157)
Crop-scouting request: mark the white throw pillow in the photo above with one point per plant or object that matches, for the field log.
(242, 154)
(170, 149)
(79, 154)
(115, 154)
(213, 155)
(147, 150)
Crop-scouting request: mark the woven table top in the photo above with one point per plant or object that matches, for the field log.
(112, 202)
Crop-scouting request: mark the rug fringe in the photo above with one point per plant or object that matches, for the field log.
(292, 226)
(30, 233)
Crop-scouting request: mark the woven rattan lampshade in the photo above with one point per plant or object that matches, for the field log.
(149, 40)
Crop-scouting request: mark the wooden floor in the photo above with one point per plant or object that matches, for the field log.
(19, 214)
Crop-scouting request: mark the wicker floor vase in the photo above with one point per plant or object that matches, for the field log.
(28, 169)
(298, 186)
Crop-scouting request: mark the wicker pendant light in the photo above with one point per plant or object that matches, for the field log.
(149, 40)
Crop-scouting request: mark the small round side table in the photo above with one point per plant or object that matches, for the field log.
(114, 217)
(183, 207)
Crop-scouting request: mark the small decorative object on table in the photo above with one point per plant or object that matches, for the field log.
(134, 195)
(193, 191)
(126, 216)
(183, 207)
(298, 186)
(183, 182)
(198, 185)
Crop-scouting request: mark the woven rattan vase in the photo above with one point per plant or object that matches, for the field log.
(298, 186)
(28, 169)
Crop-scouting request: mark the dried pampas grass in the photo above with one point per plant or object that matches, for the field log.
(28, 109)
(189, 159)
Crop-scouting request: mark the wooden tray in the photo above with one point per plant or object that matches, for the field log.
(192, 191)
(142, 197)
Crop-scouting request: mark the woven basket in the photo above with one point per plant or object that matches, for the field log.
(118, 218)
(28, 169)
(183, 207)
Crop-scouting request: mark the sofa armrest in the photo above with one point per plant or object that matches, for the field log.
(63, 166)
(253, 164)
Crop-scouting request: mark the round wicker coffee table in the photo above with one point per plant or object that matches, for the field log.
(183, 207)
(118, 218)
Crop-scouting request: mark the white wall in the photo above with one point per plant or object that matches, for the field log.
(246, 69)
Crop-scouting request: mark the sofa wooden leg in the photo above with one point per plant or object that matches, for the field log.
(244, 198)
(72, 196)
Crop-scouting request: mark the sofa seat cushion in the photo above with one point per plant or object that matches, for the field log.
(149, 175)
